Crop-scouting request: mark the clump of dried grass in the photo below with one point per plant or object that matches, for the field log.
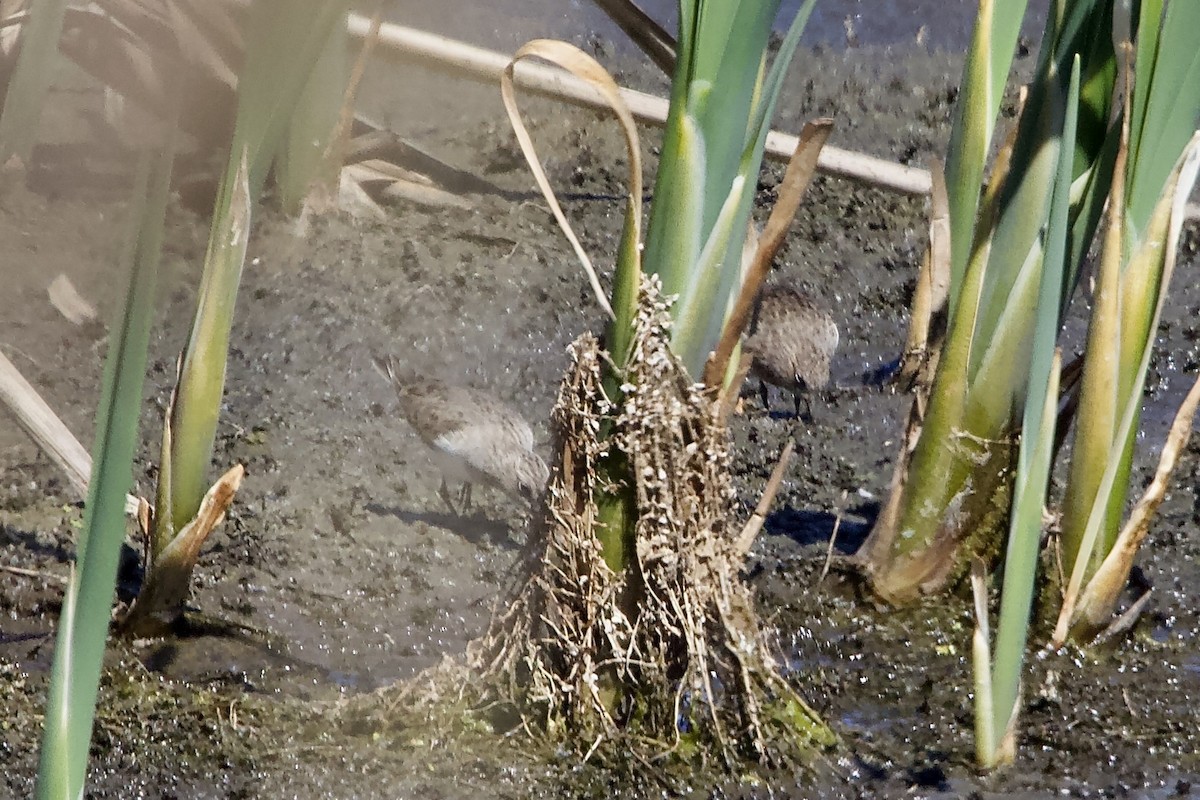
(670, 655)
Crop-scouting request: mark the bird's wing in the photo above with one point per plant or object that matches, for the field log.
(502, 421)
(485, 446)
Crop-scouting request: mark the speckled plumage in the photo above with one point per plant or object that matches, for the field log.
(474, 438)
(792, 343)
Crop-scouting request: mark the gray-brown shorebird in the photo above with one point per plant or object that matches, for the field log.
(474, 438)
(791, 344)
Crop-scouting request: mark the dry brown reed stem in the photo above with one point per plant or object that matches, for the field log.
(796, 178)
(754, 524)
(38, 420)
(932, 291)
(407, 45)
(321, 195)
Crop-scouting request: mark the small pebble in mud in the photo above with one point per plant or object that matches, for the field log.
(474, 437)
(792, 341)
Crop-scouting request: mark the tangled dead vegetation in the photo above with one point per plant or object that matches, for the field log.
(670, 656)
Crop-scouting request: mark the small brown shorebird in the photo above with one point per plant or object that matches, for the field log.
(791, 344)
(474, 438)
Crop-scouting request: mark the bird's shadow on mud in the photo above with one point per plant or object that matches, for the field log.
(475, 527)
(808, 527)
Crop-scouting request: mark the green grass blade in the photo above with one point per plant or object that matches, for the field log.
(730, 51)
(1089, 211)
(715, 273)
(673, 230)
(1172, 110)
(197, 402)
(626, 280)
(1097, 140)
(985, 73)
(284, 40)
(83, 626)
(1100, 385)
(765, 109)
(1025, 199)
(716, 84)
(981, 664)
(302, 159)
(696, 309)
(1037, 441)
(30, 79)
(1146, 39)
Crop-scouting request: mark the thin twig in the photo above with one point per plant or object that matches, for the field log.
(837, 524)
(592, 749)
(1125, 621)
(33, 573)
(755, 523)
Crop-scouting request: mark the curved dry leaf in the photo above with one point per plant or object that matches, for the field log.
(168, 577)
(586, 68)
(1099, 597)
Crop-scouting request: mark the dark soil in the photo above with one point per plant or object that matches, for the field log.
(340, 551)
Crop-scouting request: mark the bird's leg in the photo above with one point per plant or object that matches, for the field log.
(464, 496)
(444, 493)
(764, 396)
(807, 416)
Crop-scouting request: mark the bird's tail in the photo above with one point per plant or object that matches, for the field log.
(385, 366)
(392, 371)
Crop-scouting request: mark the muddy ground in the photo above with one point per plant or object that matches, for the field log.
(339, 549)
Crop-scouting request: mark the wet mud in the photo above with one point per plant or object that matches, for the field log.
(342, 561)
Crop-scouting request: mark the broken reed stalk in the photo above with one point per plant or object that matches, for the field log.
(800, 170)
(927, 327)
(402, 44)
(324, 193)
(52, 437)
